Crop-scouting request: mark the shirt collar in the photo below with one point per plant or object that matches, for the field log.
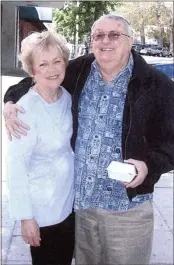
(130, 64)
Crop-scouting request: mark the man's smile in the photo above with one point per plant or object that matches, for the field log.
(107, 49)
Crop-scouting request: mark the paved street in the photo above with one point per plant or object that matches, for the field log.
(16, 252)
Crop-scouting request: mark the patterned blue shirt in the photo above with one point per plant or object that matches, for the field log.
(99, 142)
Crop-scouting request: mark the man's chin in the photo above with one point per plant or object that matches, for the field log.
(105, 59)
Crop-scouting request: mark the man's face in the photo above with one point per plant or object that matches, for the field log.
(107, 45)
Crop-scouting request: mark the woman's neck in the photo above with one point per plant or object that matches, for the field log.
(50, 95)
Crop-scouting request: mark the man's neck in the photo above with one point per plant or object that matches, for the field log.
(110, 70)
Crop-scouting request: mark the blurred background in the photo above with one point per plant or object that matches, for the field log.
(152, 23)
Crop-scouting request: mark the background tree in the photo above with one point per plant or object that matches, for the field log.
(162, 16)
(137, 14)
(150, 19)
(64, 20)
(84, 15)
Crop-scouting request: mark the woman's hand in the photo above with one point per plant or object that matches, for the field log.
(14, 126)
(30, 232)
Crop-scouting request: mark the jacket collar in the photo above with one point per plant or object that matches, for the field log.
(141, 69)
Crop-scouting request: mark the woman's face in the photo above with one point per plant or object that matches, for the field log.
(48, 68)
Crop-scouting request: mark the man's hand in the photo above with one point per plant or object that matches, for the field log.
(14, 126)
(30, 232)
(142, 172)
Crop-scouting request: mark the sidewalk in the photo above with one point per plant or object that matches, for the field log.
(16, 252)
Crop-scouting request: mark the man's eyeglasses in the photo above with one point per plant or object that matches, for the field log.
(112, 35)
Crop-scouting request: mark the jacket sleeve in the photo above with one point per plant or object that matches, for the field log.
(18, 158)
(15, 92)
(160, 157)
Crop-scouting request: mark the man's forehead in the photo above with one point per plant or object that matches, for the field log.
(108, 24)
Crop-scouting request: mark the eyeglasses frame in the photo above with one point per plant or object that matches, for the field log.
(104, 35)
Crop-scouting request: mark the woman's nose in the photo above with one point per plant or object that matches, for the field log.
(52, 67)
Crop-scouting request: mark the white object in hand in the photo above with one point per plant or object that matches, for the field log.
(121, 171)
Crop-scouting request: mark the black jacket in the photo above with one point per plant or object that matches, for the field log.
(148, 118)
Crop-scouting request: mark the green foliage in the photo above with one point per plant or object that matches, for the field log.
(85, 14)
(152, 19)
(65, 20)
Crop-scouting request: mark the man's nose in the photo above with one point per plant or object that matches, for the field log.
(106, 38)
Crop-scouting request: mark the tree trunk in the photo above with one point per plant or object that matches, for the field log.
(141, 27)
(161, 36)
(171, 39)
(159, 26)
(142, 33)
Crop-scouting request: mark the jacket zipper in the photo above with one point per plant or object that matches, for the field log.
(130, 123)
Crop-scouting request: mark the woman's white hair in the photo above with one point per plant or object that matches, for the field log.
(37, 42)
(118, 18)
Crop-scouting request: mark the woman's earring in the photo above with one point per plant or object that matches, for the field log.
(33, 81)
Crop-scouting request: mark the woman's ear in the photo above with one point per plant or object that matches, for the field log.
(33, 81)
(33, 72)
(32, 76)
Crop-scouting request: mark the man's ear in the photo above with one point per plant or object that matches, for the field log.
(91, 44)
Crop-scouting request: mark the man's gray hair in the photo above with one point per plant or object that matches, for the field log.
(118, 18)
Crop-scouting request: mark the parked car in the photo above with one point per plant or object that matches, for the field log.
(166, 53)
(137, 47)
(155, 51)
(152, 50)
(145, 48)
(144, 51)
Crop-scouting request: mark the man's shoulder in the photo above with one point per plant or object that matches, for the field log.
(161, 80)
(145, 71)
(23, 86)
(81, 60)
(27, 81)
(74, 70)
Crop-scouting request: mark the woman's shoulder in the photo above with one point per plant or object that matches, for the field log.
(29, 100)
(68, 95)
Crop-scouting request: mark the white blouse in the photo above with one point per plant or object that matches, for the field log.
(41, 164)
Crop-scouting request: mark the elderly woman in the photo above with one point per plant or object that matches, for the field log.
(40, 166)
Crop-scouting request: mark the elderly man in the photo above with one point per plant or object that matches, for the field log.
(123, 110)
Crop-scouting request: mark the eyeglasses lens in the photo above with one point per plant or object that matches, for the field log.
(111, 36)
